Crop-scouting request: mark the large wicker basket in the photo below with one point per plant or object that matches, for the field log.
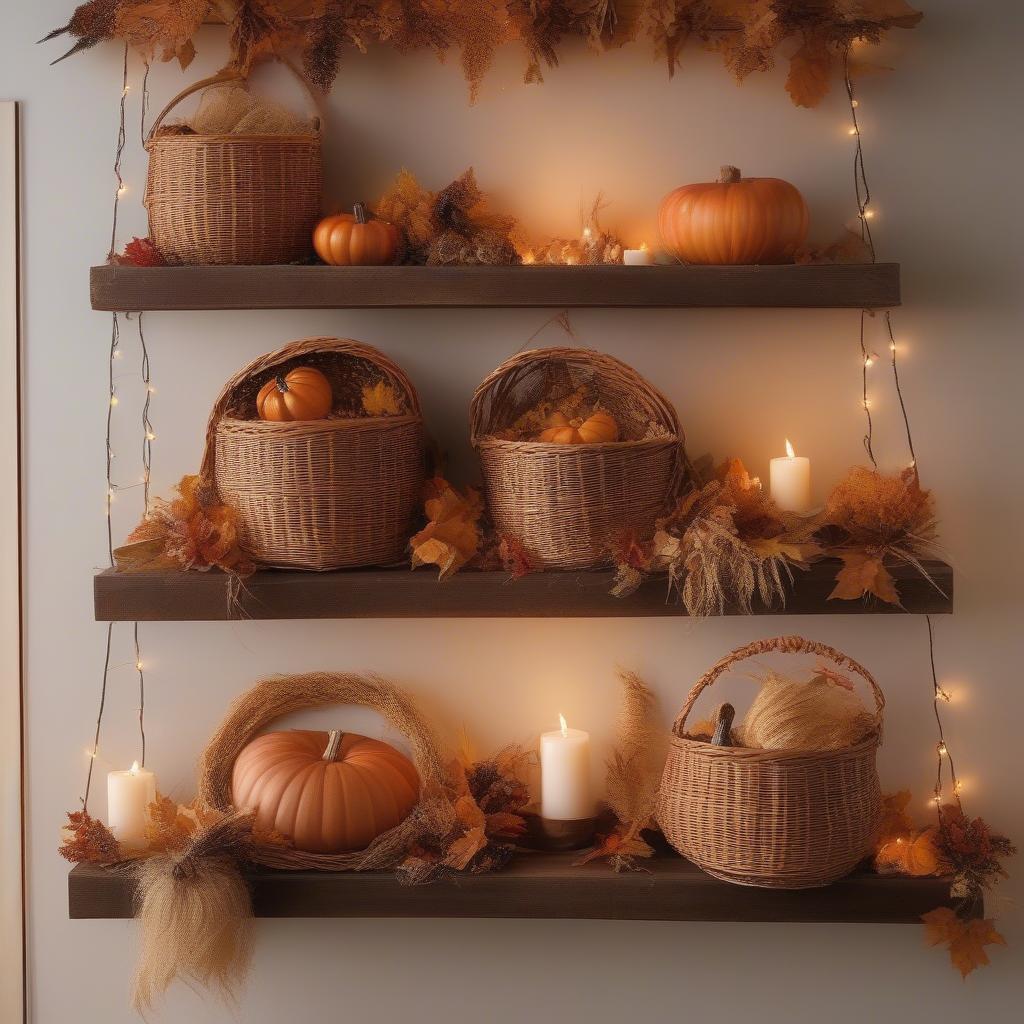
(569, 504)
(319, 494)
(777, 819)
(240, 199)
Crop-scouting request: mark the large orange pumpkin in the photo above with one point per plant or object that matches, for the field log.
(734, 220)
(597, 428)
(302, 394)
(328, 792)
(354, 240)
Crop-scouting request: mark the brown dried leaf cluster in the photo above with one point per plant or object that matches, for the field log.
(452, 535)
(192, 531)
(747, 34)
(85, 839)
(453, 227)
(880, 519)
(965, 939)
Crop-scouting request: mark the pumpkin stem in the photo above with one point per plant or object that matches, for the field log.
(729, 175)
(333, 745)
(359, 212)
(282, 384)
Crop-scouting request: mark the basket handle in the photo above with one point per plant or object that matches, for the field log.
(294, 350)
(782, 645)
(230, 74)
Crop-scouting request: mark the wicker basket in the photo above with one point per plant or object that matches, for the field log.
(319, 494)
(777, 819)
(568, 504)
(241, 199)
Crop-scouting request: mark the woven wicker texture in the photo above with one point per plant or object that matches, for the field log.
(319, 494)
(770, 818)
(272, 698)
(232, 198)
(568, 504)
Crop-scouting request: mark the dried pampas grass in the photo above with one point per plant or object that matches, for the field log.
(195, 913)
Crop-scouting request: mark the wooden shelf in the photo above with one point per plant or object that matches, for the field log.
(398, 593)
(130, 289)
(547, 886)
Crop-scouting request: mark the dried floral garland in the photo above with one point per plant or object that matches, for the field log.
(748, 34)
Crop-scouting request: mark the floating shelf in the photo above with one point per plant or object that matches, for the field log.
(131, 289)
(547, 886)
(399, 594)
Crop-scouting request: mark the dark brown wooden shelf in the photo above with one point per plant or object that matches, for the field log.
(547, 886)
(400, 593)
(130, 289)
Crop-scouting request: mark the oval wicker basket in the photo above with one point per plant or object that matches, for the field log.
(319, 494)
(777, 819)
(236, 199)
(568, 504)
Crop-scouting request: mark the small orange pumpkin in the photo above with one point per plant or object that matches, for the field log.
(915, 854)
(599, 427)
(354, 240)
(302, 394)
(327, 792)
(734, 220)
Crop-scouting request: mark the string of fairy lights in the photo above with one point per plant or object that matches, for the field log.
(115, 356)
(940, 696)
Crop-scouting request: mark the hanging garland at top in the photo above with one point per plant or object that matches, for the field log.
(814, 34)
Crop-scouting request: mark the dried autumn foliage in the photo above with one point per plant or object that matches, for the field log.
(633, 778)
(747, 34)
(881, 519)
(452, 536)
(515, 559)
(850, 247)
(381, 399)
(594, 245)
(192, 531)
(965, 939)
(139, 252)
(85, 839)
(409, 206)
(974, 849)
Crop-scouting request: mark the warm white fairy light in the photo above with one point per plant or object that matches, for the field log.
(113, 399)
(943, 752)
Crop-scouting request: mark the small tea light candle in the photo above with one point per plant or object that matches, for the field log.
(565, 793)
(790, 481)
(641, 257)
(129, 794)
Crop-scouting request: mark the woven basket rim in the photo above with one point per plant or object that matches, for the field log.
(590, 448)
(305, 138)
(325, 425)
(761, 755)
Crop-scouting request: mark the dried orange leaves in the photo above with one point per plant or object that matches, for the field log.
(452, 535)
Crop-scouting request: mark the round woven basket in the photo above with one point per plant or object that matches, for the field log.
(777, 819)
(569, 503)
(319, 494)
(242, 199)
(273, 698)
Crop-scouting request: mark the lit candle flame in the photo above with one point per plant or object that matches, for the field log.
(565, 727)
(643, 247)
(134, 770)
(790, 454)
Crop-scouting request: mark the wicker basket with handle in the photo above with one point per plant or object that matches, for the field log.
(569, 504)
(236, 198)
(319, 494)
(777, 819)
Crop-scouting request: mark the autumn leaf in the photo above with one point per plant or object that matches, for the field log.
(807, 82)
(620, 849)
(87, 839)
(381, 399)
(514, 557)
(779, 547)
(139, 252)
(452, 536)
(966, 940)
(864, 574)
(894, 820)
(505, 825)
(162, 28)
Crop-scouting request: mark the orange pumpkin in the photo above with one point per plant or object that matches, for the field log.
(734, 220)
(915, 854)
(327, 792)
(599, 427)
(302, 394)
(353, 240)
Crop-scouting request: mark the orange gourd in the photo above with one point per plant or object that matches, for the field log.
(302, 394)
(327, 792)
(597, 428)
(916, 854)
(734, 220)
(353, 240)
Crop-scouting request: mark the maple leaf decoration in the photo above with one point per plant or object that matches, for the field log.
(965, 940)
(452, 535)
(139, 252)
(381, 399)
(85, 839)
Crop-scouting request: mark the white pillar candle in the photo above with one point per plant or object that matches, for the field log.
(129, 795)
(641, 257)
(790, 481)
(565, 793)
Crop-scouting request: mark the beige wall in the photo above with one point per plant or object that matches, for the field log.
(943, 149)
